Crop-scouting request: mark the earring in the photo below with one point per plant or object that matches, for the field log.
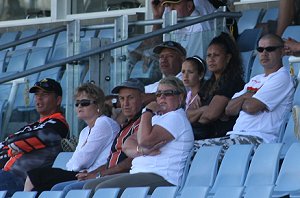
(98, 110)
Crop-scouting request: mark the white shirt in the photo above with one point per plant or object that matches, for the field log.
(276, 92)
(94, 145)
(171, 161)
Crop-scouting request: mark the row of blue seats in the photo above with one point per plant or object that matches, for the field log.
(233, 178)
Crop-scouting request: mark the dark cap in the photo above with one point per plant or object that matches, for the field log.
(47, 84)
(171, 45)
(132, 83)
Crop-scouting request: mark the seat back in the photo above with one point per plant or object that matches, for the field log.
(3, 193)
(51, 194)
(234, 167)
(270, 14)
(25, 34)
(23, 194)
(247, 60)
(292, 31)
(204, 167)
(229, 192)
(249, 19)
(78, 194)
(107, 193)
(136, 192)
(248, 39)
(62, 159)
(194, 192)
(164, 192)
(258, 191)
(264, 165)
(257, 68)
(37, 57)
(288, 137)
(289, 174)
(17, 61)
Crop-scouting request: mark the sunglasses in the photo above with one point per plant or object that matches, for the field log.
(84, 102)
(268, 49)
(167, 93)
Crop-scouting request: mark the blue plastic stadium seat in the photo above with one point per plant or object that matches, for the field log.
(136, 192)
(18, 60)
(249, 19)
(107, 193)
(25, 34)
(78, 194)
(288, 137)
(22, 194)
(51, 194)
(194, 192)
(247, 58)
(288, 178)
(264, 165)
(259, 191)
(247, 40)
(270, 14)
(234, 167)
(229, 192)
(62, 159)
(3, 193)
(164, 192)
(204, 167)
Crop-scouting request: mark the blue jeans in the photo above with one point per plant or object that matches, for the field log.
(68, 185)
(10, 182)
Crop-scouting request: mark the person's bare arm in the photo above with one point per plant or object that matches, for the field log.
(214, 110)
(285, 15)
(235, 105)
(253, 106)
(195, 114)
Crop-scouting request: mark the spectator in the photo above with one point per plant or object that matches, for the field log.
(223, 61)
(263, 103)
(162, 144)
(292, 47)
(171, 56)
(94, 143)
(130, 94)
(289, 13)
(193, 71)
(36, 144)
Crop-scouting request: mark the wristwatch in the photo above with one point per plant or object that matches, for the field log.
(149, 110)
(98, 175)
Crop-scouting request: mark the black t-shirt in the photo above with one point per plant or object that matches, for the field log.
(219, 127)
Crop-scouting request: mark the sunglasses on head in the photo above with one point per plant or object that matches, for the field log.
(268, 49)
(84, 102)
(167, 93)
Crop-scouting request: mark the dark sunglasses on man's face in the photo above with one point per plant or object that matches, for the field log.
(167, 93)
(84, 102)
(268, 49)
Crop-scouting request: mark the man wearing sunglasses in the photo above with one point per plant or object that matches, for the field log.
(264, 102)
(36, 144)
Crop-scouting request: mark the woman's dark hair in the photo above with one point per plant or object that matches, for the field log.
(233, 69)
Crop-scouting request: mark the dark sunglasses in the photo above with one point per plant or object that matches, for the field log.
(268, 49)
(84, 102)
(167, 93)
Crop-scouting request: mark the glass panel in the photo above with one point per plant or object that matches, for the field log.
(22, 9)
(85, 6)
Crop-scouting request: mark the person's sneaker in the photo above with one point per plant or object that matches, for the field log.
(296, 117)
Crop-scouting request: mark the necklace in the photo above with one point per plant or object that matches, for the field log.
(190, 102)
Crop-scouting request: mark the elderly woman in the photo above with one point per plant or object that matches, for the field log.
(94, 144)
(224, 62)
(162, 144)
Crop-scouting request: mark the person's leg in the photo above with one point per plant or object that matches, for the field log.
(134, 180)
(10, 182)
(92, 183)
(65, 187)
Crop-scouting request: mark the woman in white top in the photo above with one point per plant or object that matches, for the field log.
(162, 144)
(94, 144)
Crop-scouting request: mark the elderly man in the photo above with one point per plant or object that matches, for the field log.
(130, 97)
(36, 144)
(263, 103)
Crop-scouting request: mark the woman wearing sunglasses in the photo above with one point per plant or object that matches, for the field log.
(94, 143)
(223, 61)
(162, 144)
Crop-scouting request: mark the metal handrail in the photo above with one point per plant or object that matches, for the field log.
(120, 44)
